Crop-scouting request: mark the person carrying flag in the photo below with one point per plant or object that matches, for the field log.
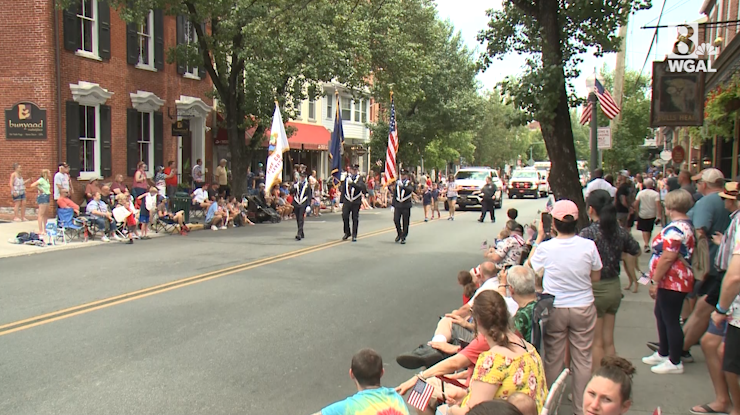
(301, 200)
(403, 190)
(352, 188)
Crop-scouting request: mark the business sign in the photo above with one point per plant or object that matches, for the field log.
(181, 127)
(677, 99)
(605, 138)
(678, 155)
(25, 120)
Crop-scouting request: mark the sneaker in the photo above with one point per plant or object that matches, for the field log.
(116, 237)
(223, 227)
(647, 249)
(105, 239)
(686, 357)
(666, 368)
(129, 241)
(422, 356)
(214, 227)
(654, 359)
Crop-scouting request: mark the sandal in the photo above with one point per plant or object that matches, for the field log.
(706, 409)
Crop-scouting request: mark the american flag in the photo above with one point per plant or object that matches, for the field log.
(390, 157)
(420, 395)
(586, 114)
(608, 106)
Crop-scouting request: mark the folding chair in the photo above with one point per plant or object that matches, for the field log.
(120, 215)
(70, 227)
(552, 402)
(163, 224)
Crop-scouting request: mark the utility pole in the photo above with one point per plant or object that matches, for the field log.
(594, 162)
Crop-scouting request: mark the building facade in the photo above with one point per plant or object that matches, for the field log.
(104, 92)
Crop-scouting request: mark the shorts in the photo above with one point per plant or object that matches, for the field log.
(731, 361)
(453, 198)
(19, 197)
(460, 333)
(607, 296)
(143, 218)
(371, 193)
(710, 287)
(42, 199)
(720, 330)
(646, 225)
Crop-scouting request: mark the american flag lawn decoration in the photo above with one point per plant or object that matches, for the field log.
(420, 395)
(390, 159)
(606, 102)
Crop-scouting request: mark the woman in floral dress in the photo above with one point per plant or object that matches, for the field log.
(511, 365)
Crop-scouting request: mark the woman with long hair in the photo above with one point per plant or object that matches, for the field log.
(140, 181)
(611, 241)
(18, 191)
(511, 365)
(451, 196)
(43, 185)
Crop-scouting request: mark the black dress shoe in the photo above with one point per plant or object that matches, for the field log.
(480, 220)
(345, 237)
(403, 241)
(398, 238)
(297, 237)
(354, 239)
(423, 356)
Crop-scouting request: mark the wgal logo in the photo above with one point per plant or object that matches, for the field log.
(689, 55)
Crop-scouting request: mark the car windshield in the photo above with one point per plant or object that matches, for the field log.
(471, 175)
(525, 175)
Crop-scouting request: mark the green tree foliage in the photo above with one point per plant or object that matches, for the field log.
(554, 34)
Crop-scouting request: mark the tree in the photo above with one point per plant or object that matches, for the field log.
(554, 33)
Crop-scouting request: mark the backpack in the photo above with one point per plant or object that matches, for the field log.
(540, 315)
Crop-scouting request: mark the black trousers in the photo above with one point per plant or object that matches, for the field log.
(401, 217)
(668, 306)
(487, 206)
(300, 213)
(354, 209)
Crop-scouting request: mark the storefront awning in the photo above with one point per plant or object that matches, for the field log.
(308, 137)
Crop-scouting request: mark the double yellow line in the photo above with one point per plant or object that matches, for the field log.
(158, 289)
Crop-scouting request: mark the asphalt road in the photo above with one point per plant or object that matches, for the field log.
(250, 321)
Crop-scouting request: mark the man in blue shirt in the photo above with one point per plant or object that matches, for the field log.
(371, 398)
(214, 216)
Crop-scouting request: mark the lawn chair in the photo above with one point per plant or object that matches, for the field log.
(552, 402)
(70, 227)
(120, 215)
(163, 224)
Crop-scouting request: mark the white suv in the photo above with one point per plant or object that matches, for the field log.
(470, 180)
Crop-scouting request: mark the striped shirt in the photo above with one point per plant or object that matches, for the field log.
(724, 252)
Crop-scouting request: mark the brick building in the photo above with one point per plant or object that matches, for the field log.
(109, 96)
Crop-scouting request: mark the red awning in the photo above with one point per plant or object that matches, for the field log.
(308, 137)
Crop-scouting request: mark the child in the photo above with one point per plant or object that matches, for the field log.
(512, 214)
(333, 197)
(435, 201)
(149, 202)
(465, 279)
(427, 201)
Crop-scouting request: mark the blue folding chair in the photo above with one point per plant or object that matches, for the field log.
(69, 226)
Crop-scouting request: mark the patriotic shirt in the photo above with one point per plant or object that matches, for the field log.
(735, 307)
(379, 401)
(727, 246)
(678, 237)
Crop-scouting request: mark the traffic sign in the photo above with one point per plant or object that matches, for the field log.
(605, 138)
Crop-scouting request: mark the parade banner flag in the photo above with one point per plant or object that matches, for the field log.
(335, 148)
(278, 146)
(390, 159)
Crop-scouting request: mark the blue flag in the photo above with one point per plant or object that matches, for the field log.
(335, 148)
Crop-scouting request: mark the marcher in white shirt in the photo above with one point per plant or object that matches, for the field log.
(598, 182)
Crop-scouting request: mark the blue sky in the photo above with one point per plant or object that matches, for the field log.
(472, 18)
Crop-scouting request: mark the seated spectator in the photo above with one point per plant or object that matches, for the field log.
(99, 214)
(200, 198)
(106, 196)
(509, 252)
(149, 202)
(499, 407)
(64, 202)
(214, 218)
(236, 215)
(523, 402)
(455, 328)
(465, 279)
(91, 188)
(213, 192)
(519, 281)
(123, 201)
(512, 214)
(511, 365)
(366, 370)
(166, 216)
(118, 187)
(609, 392)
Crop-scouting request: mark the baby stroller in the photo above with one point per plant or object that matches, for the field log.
(260, 211)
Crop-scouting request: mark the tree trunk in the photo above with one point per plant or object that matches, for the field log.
(556, 125)
(238, 148)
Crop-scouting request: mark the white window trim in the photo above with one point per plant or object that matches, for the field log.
(150, 23)
(330, 103)
(310, 103)
(188, 75)
(89, 175)
(351, 110)
(149, 163)
(95, 53)
(191, 73)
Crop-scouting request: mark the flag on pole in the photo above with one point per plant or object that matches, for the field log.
(586, 114)
(335, 148)
(610, 108)
(278, 145)
(390, 157)
(420, 395)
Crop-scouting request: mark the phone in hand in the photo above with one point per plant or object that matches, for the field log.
(546, 222)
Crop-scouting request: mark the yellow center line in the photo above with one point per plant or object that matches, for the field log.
(162, 288)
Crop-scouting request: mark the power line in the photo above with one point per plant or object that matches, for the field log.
(655, 35)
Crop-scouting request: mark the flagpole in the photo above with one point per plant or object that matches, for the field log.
(397, 166)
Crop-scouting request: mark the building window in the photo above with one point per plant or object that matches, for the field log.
(145, 140)
(191, 39)
(89, 136)
(356, 104)
(329, 107)
(311, 109)
(87, 12)
(346, 109)
(146, 41)
(298, 110)
(364, 110)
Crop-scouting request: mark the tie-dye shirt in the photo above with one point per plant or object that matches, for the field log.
(677, 237)
(380, 401)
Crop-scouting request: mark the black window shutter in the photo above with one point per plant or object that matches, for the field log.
(132, 44)
(158, 39)
(202, 67)
(132, 145)
(106, 158)
(104, 29)
(72, 35)
(180, 40)
(158, 138)
(73, 138)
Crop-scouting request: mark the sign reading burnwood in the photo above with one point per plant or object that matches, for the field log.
(25, 120)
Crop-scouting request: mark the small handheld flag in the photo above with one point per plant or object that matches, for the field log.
(420, 395)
